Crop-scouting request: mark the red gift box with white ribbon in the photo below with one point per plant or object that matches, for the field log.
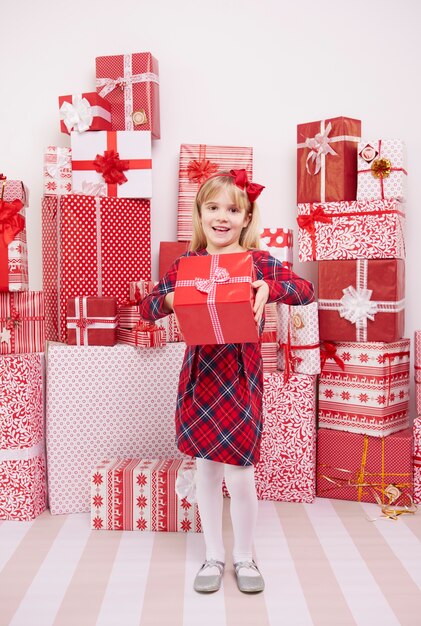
(84, 111)
(416, 429)
(91, 321)
(381, 169)
(22, 322)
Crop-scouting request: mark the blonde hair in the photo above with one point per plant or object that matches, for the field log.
(250, 236)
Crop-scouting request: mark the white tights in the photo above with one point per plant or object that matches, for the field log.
(240, 484)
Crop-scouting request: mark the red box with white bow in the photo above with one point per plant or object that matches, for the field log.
(91, 321)
(84, 111)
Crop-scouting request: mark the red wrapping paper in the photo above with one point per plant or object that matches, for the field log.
(13, 247)
(91, 321)
(73, 109)
(141, 337)
(169, 251)
(22, 322)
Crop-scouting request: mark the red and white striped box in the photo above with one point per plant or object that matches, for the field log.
(138, 289)
(13, 190)
(128, 315)
(362, 300)
(382, 172)
(417, 367)
(353, 466)
(130, 82)
(197, 163)
(327, 160)
(13, 247)
(119, 161)
(84, 111)
(140, 494)
(279, 243)
(416, 430)
(22, 459)
(269, 345)
(298, 338)
(57, 171)
(91, 321)
(22, 322)
(365, 229)
(92, 246)
(87, 388)
(143, 335)
(364, 387)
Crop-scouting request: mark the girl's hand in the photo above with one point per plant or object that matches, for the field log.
(168, 302)
(261, 297)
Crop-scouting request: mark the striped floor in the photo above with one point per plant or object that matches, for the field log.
(324, 563)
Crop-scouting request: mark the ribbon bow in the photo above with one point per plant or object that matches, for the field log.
(381, 168)
(11, 222)
(92, 189)
(111, 167)
(307, 222)
(318, 145)
(77, 115)
(220, 275)
(63, 160)
(185, 486)
(253, 190)
(13, 320)
(199, 171)
(356, 305)
(328, 350)
(83, 323)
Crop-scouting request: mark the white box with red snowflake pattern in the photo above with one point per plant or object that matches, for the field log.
(416, 429)
(364, 387)
(140, 494)
(106, 402)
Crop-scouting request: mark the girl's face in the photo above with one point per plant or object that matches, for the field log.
(222, 223)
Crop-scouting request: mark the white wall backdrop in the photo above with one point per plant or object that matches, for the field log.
(233, 72)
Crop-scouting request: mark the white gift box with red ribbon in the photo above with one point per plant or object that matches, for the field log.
(382, 170)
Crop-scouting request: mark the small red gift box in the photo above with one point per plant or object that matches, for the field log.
(138, 289)
(143, 335)
(416, 429)
(357, 467)
(22, 322)
(84, 111)
(362, 300)
(169, 251)
(91, 321)
(327, 160)
(213, 299)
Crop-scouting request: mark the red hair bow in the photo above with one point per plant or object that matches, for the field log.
(111, 167)
(253, 190)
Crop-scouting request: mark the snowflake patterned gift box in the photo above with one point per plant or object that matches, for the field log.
(417, 368)
(130, 82)
(364, 229)
(13, 247)
(13, 190)
(416, 429)
(362, 300)
(22, 322)
(91, 321)
(213, 299)
(197, 163)
(279, 243)
(22, 459)
(358, 467)
(92, 246)
(382, 170)
(57, 171)
(142, 494)
(364, 387)
(119, 162)
(298, 338)
(327, 160)
(106, 402)
(84, 111)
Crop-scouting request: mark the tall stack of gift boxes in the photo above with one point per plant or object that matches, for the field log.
(110, 395)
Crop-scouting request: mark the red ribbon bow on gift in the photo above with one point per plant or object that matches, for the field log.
(307, 222)
(220, 275)
(253, 190)
(111, 167)
(83, 323)
(13, 320)
(328, 351)
(11, 222)
(199, 171)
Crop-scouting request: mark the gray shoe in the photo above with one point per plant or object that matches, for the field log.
(208, 584)
(249, 584)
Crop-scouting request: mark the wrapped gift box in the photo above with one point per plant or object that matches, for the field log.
(138, 289)
(327, 160)
(143, 335)
(417, 367)
(140, 494)
(357, 467)
(197, 163)
(92, 246)
(279, 243)
(22, 322)
(364, 387)
(362, 300)
(84, 111)
(57, 171)
(213, 299)
(130, 82)
(381, 169)
(367, 229)
(13, 190)
(119, 161)
(416, 429)
(298, 337)
(169, 251)
(86, 389)
(172, 330)
(91, 321)
(269, 344)
(128, 315)
(13, 247)
(22, 459)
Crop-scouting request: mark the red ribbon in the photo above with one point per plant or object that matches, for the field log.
(199, 171)
(111, 167)
(11, 224)
(253, 190)
(84, 322)
(148, 327)
(328, 350)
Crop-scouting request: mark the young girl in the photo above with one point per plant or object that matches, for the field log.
(219, 403)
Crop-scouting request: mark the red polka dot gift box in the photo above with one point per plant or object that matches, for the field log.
(92, 321)
(382, 169)
(279, 243)
(84, 111)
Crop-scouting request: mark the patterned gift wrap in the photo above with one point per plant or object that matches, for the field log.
(269, 345)
(298, 337)
(138, 289)
(416, 429)
(22, 322)
(279, 243)
(57, 171)
(140, 494)
(357, 467)
(22, 460)
(128, 315)
(417, 367)
(169, 251)
(84, 111)
(104, 403)
(13, 247)
(367, 229)
(143, 335)
(91, 321)
(117, 164)
(362, 300)
(381, 169)
(13, 190)
(172, 330)
(327, 160)
(130, 82)
(197, 163)
(364, 387)
(92, 246)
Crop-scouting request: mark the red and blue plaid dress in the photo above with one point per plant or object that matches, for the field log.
(219, 403)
